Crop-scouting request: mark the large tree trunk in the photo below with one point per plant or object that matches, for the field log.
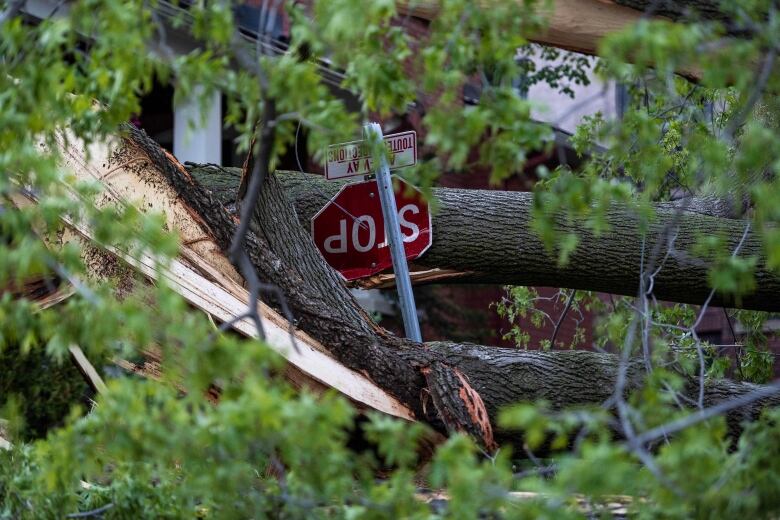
(679, 9)
(580, 25)
(484, 236)
(451, 386)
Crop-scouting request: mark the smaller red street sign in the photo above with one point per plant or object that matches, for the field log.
(354, 158)
(350, 230)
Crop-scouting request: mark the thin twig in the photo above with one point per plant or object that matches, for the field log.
(760, 84)
(692, 331)
(562, 316)
(738, 351)
(708, 413)
(94, 512)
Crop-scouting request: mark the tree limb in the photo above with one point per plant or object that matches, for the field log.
(451, 386)
(485, 236)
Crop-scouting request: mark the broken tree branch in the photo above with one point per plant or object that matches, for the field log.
(485, 236)
(89, 373)
(451, 386)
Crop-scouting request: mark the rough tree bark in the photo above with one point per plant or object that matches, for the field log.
(679, 9)
(453, 387)
(579, 25)
(484, 236)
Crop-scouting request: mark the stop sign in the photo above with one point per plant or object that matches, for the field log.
(350, 230)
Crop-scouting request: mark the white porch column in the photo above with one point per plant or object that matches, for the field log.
(197, 135)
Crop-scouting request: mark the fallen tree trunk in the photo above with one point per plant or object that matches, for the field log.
(576, 25)
(202, 275)
(453, 387)
(484, 236)
(707, 9)
(580, 25)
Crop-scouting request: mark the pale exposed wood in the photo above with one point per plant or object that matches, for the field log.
(580, 25)
(146, 370)
(576, 25)
(203, 276)
(151, 368)
(87, 370)
(234, 288)
(43, 291)
(132, 179)
(55, 297)
(612, 504)
(387, 280)
(4, 444)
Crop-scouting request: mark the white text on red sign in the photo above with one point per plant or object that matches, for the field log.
(337, 244)
(354, 158)
(350, 233)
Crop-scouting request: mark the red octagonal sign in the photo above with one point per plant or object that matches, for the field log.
(350, 230)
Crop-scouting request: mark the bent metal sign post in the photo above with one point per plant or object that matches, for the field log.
(370, 226)
(350, 230)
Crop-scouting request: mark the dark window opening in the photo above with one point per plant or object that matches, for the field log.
(156, 116)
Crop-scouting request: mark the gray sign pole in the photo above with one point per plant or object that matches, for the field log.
(393, 231)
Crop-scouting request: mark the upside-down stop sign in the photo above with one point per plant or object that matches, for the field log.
(350, 230)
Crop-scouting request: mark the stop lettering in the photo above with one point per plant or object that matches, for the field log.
(350, 230)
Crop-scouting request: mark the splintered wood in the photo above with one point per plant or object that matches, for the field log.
(201, 274)
(577, 25)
